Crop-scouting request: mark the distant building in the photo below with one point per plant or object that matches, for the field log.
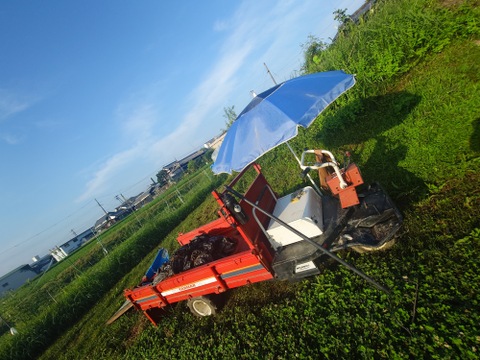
(86, 235)
(16, 278)
(104, 222)
(177, 168)
(61, 252)
(215, 142)
(41, 264)
(111, 218)
(174, 170)
(362, 10)
(143, 198)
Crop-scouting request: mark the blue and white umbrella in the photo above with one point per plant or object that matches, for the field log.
(273, 117)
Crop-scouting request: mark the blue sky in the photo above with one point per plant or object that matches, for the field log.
(96, 96)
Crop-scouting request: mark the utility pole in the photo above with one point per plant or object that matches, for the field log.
(105, 211)
(269, 73)
(123, 197)
(130, 207)
(118, 198)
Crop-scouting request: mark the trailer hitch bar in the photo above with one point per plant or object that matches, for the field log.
(310, 241)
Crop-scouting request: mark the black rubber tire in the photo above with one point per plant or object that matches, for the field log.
(202, 306)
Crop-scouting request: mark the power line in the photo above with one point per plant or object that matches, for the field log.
(46, 229)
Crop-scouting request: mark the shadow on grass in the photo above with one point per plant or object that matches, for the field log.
(364, 119)
(258, 295)
(369, 119)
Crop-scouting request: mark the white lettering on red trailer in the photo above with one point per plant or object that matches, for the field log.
(189, 286)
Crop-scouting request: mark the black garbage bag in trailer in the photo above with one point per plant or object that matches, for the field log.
(201, 250)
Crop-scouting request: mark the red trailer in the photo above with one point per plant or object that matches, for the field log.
(276, 238)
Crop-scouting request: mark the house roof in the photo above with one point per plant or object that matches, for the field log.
(215, 142)
(24, 267)
(186, 159)
(192, 156)
(102, 220)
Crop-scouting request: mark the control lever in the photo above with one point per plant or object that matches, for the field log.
(305, 172)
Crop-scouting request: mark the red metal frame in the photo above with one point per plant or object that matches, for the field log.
(348, 196)
(250, 263)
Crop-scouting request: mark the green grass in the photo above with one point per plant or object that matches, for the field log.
(413, 123)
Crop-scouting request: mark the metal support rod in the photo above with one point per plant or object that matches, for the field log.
(208, 176)
(291, 150)
(131, 209)
(310, 241)
(308, 175)
(105, 251)
(13, 331)
(179, 196)
(168, 206)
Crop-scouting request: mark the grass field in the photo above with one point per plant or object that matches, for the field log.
(412, 122)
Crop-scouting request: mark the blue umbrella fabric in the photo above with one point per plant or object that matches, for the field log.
(273, 117)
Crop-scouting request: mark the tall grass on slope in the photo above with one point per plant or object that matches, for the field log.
(393, 40)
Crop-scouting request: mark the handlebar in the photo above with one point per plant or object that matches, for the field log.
(320, 165)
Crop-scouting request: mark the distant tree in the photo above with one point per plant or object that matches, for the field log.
(313, 50)
(207, 157)
(192, 166)
(230, 115)
(341, 16)
(345, 21)
(162, 177)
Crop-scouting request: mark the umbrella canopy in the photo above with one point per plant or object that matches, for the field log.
(273, 117)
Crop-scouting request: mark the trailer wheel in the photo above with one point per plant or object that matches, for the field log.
(202, 306)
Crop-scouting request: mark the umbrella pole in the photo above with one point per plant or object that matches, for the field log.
(310, 241)
(308, 175)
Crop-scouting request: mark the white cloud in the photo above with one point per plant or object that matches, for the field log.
(104, 177)
(220, 25)
(10, 139)
(11, 104)
(139, 122)
(220, 80)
